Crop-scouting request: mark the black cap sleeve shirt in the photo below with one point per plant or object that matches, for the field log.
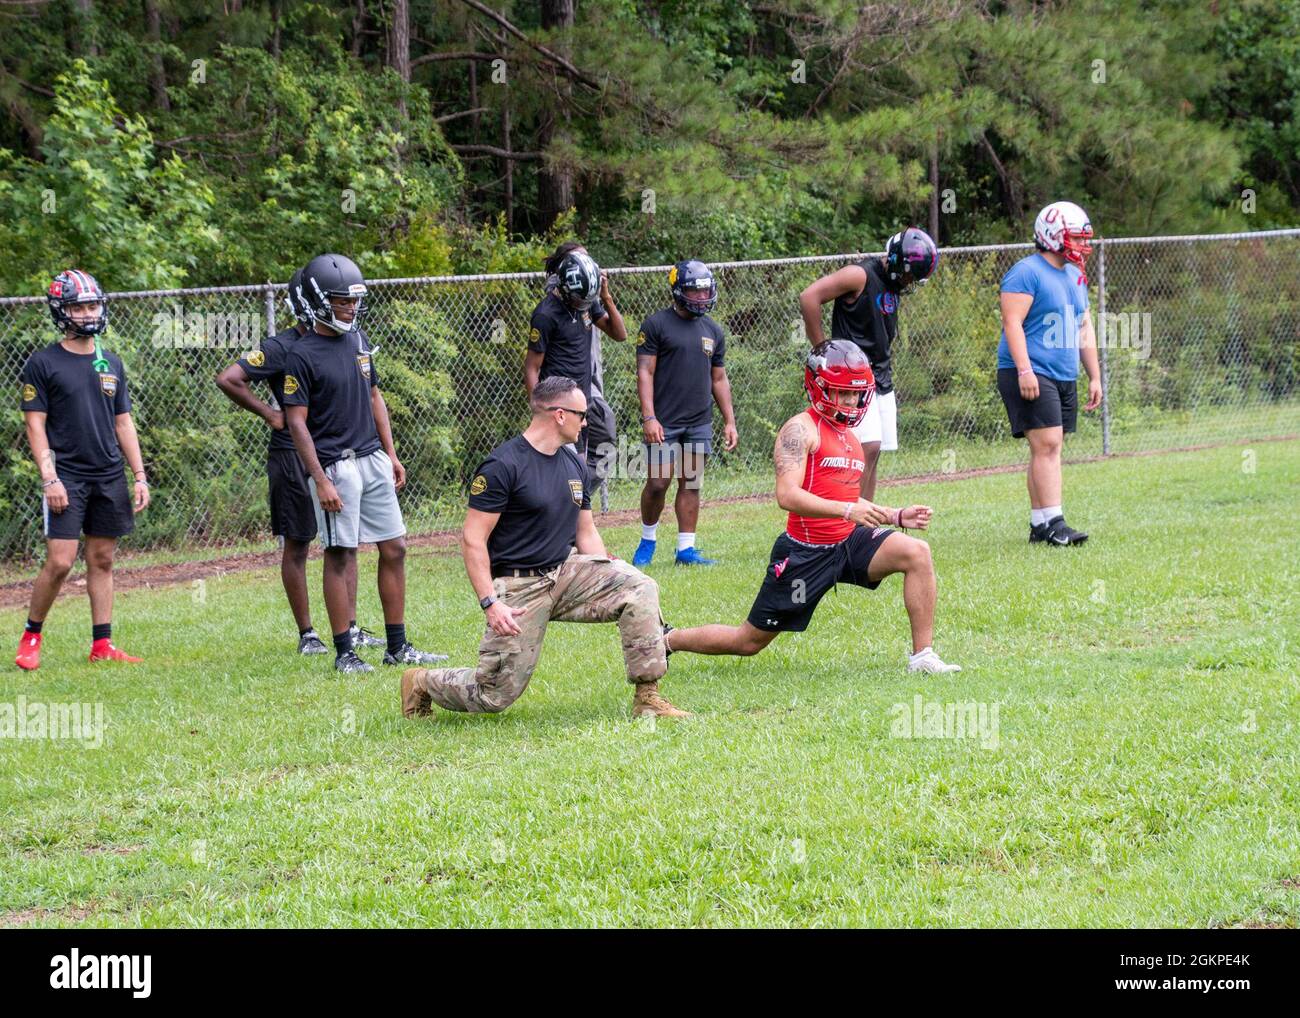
(81, 407)
(687, 351)
(563, 337)
(538, 498)
(332, 377)
(871, 321)
(267, 364)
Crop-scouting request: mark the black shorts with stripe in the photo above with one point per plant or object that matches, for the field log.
(293, 514)
(799, 575)
(97, 507)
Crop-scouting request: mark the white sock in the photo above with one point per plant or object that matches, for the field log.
(1050, 512)
(685, 541)
(1036, 516)
(648, 531)
(913, 658)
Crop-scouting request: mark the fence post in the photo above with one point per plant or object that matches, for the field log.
(1100, 336)
(270, 309)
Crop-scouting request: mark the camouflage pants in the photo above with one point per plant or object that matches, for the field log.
(584, 588)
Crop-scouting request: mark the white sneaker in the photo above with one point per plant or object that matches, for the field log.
(928, 661)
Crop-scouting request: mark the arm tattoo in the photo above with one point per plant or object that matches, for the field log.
(791, 446)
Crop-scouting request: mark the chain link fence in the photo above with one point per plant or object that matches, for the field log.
(1198, 338)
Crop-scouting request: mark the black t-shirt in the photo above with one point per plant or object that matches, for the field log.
(871, 321)
(563, 337)
(332, 376)
(688, 349)
(81, 407)
(539, 498)
(267, 363)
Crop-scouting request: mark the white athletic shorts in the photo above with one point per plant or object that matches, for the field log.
(370, 510)
(881, 423)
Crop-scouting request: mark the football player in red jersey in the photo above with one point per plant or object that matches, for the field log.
(832, 535)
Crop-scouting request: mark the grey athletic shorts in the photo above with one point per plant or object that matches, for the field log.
(370, 511)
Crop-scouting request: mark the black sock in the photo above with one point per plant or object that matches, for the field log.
(33, 626)
(396, 636)
(352, 624)
(305, 630)
(102, 632)
(342, 642)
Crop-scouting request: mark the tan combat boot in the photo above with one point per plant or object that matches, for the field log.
(647, 701)
(416, 702)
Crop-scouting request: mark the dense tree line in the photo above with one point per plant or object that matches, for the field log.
(169, 142)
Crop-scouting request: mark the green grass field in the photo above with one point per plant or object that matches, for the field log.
(1145, 768)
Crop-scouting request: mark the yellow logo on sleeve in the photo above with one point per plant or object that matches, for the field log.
(640, 339)
(478, 486)
(255, 358)
(29, 393)
(290, 385)
(534, 335)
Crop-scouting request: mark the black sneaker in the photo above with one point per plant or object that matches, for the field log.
(362, 637)
(408, 655)
(310, 643)
(1074, 536)
(1050, 532)
(349, 662)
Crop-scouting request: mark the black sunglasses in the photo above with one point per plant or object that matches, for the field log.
(569, 410)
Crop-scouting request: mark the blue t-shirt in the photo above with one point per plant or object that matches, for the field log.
(1054, 319)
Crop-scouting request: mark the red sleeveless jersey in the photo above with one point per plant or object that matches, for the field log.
(834, 471)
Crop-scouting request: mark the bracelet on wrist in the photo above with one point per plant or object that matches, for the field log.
(848, 508)
(52, 480)
(647, 420)
(1027, 371)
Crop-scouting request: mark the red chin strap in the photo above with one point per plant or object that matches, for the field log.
(1076, 249)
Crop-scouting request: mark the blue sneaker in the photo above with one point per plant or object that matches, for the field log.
(645, 551)
(692, 557)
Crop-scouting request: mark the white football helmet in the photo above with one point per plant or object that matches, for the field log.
(1063, 227)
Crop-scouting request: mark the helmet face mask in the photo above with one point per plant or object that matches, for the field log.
(911, 257)
(74, 287)
(693, 287)
(836, 367)
(578, 280)
(333, 276)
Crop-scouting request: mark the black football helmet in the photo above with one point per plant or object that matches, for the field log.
(294, 299)
(578, 279)
(693, 274)
(910, 259)
(333, 275)
(73, 286)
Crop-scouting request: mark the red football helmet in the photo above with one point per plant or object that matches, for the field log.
(839, 364)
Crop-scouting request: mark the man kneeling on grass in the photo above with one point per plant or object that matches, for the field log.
(533, 555)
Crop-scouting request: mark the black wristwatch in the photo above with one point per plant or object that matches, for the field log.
(486, 602)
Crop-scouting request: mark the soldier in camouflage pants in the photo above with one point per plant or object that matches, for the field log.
(533, 554)
(584, 588)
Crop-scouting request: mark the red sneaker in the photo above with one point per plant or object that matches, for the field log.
(29, 652)
(103, 650)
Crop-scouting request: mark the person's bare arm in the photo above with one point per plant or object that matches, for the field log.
(849, 280)
(382, 425)
(722, 396)
(56, 495)
(296, 416)
(233, 381)
(589, 539)
(478, 567)
(1088, 354)
(645, 392)
(129, 442)
(796, 439)
(1015, 307)
(532, 371)
(611, 323)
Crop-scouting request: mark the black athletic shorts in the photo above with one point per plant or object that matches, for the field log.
(799, 575)
(96, 508)
(1057, 405)
(293, 515)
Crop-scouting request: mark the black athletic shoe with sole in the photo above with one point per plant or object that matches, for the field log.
(1074, 536)
(362, 637)
(349, 662)
(408, 655)
(310, 643)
